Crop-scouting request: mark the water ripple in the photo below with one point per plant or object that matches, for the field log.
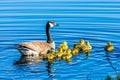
(96, 21)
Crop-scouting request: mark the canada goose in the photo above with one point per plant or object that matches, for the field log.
(37, 47)
(109, 47)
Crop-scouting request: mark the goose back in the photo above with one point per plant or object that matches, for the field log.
(40, 47)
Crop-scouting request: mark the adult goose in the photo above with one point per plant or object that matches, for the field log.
(38, 47)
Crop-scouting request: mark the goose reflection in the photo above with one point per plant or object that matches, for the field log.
(28, 60)
(25, 60)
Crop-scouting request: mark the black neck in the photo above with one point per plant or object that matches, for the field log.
(49, 38)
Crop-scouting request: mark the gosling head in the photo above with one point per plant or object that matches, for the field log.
(87, 43)
(64, 43)
(82, 41)
(109, 43)
(68, 51)
(51, 23)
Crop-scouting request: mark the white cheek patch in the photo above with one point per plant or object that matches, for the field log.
(51, 24)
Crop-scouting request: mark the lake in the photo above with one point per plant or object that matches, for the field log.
(97, 21)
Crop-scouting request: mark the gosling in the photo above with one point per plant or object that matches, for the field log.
(68, 55)
(64, 46)
(59, 53)
(75, 51)
(51, 55)
(80, 44)
(87, 47)
(109, 47)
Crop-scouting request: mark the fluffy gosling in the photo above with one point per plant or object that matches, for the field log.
(51, 55)
(87, 47)
(68, 55)
(109, 47)
(75, 51)
(59, 53)
(64, 46)
(80, 44)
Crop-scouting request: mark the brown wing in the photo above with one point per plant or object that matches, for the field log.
(37, 46)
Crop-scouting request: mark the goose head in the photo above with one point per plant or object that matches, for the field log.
(52, 24)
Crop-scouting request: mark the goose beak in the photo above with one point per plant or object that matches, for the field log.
(56, 24)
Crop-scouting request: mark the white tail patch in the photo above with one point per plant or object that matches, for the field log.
(26, 51)
(52, 45)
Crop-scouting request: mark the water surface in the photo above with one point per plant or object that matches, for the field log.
(96, 21)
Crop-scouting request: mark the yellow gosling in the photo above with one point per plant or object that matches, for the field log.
(80, 44)
(109, 47)
(75, 51)
(51, 55)
(76, 46)
(87, 47)
(64, 46)
(68, 55)
(59, 53)
(65, 43)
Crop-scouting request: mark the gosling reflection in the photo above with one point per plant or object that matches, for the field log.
(87, 54)
(29, 60)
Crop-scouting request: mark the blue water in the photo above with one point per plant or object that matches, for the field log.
(95, 20)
